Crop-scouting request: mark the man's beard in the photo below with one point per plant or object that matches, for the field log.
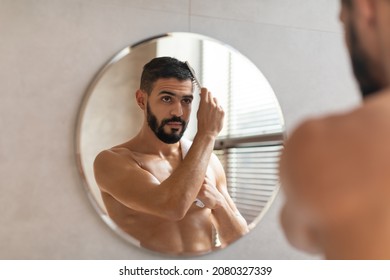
(362, 68)
(168, 138)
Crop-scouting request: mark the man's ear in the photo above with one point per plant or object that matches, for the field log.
(140, 96)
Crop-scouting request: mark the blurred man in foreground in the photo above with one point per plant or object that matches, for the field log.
(335, 171)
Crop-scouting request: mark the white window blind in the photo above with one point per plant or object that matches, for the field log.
(250, 143)
(251, 174)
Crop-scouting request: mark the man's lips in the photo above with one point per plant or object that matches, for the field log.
(174, 123)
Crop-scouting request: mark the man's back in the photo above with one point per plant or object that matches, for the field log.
(341, 164)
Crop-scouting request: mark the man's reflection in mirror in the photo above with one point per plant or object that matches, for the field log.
(166, 191)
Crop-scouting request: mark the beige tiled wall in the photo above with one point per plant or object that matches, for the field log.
(51, 49)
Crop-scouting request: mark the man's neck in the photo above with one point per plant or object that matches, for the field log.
(152, 145)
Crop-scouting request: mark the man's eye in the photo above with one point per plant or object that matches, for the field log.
(187, 101)
(166, 98)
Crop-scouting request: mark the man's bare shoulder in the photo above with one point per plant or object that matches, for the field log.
(119, 154)
(215, 163)
(373, 116)
(354, 140)
(114, 163)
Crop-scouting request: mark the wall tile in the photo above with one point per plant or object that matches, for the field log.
(314, 15)
(171, 6)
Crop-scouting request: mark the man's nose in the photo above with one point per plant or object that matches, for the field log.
(177, 110)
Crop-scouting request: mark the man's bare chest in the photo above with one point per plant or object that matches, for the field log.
(161, 169)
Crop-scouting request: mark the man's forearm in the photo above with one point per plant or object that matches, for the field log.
(185, 182)
(230, 225)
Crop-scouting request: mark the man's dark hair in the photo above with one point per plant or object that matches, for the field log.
(163, 67)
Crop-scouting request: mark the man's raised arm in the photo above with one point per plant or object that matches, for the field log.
(138, 189)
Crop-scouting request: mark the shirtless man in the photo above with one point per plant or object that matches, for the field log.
(150, 184)
(335, 170)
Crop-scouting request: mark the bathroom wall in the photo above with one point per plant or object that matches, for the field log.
(50, 50)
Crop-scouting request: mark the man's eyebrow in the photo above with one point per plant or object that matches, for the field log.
(174, 94)
(166, 92)
(188, 96)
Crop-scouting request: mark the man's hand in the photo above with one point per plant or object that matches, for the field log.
(209, 195)
(210, 114)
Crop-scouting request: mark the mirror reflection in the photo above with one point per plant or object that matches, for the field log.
(173, 168)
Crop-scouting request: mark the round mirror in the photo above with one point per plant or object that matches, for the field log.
(248, 146)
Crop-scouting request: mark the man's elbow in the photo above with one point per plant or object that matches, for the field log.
(174, 214)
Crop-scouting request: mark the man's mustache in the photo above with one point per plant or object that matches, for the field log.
(173, 119)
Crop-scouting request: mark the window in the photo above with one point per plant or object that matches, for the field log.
(250, 143)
